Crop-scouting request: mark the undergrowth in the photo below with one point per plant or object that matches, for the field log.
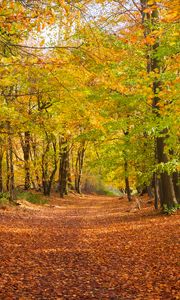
(4, 199)
(31, 197)
(170, 210)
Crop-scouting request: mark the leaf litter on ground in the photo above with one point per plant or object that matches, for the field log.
(90, 247)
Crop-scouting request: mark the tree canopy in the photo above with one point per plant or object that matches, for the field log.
(90, 86)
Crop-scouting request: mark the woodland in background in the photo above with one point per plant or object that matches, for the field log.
(90, 86)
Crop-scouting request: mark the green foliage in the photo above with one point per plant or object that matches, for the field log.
(170, 210)
(99, 93)
(169, 167)
(5, 195)
(31, 197)
(108, 192)
(4, 199)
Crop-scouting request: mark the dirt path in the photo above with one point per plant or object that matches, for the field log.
(89, 248)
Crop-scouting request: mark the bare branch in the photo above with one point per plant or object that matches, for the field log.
(44, 48)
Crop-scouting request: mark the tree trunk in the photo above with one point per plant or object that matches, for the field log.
(48, 172)
(147, 190)
(70, 185)
(150, 22)
(10, 164)
(25, 144)
(176, 183)
(63, 169)
(33, 153)
(79, 167)
(1, 170)
(45, 170)
(156, 195)
(167, 193)
(7, 170)
(26, 150)
(53, 172)
(127, 186)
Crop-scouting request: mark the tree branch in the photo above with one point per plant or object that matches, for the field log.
(44, 48)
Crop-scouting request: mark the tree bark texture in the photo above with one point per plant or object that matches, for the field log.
(25, 144)
(63, 168)
(127, 186)
(48, 167)
(79, 167)
(1, 169)
(10, 165)
(150, 23)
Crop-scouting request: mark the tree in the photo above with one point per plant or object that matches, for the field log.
(150, 17)
(103, 84)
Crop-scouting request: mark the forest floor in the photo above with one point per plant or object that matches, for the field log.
(89, 247)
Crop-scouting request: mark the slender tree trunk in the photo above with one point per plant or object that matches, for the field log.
(156, 195)
(53, 172)
(37, 181)
(45, 170)
(1, 169)
(10, 164)
(25, 144)
(127, 186)
(50, 181)
(150, 190)
(63, 177)
(70, 185)
(63, 168)
(7, 170)
(155, 183)
(26, 150)
(79, 167)
(11, 185)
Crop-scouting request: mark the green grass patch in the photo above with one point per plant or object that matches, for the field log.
(107, 192)
(170, 210)
(31, 197)
(4, 199)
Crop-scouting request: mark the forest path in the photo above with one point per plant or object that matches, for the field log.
(88, 248)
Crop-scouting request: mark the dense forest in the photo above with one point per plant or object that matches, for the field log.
(89, 149)
(89, 97)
